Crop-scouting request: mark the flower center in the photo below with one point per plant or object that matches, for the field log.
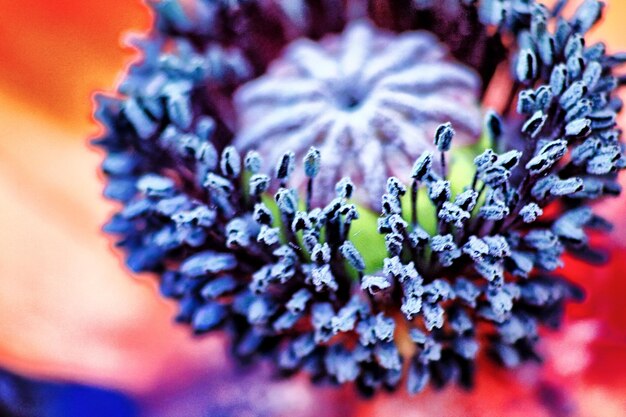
(368, 99)
(349, 101)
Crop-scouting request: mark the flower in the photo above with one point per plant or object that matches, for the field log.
(285, 275)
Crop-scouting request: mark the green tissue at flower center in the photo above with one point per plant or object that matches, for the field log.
(364, 234)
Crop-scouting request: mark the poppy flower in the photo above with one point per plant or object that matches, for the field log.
(74, 315)
(217, 141)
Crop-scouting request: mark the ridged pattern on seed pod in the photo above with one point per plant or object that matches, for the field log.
(368, 99)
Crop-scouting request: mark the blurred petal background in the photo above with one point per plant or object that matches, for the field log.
(73, 317)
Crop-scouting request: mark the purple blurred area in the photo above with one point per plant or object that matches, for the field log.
(233, 391)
